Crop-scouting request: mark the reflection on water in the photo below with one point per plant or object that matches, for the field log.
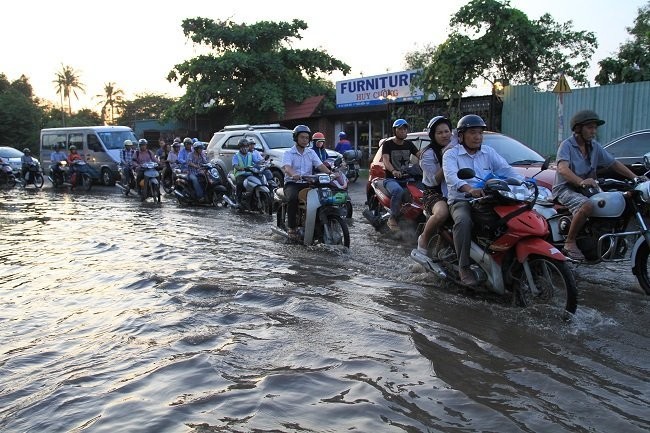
(122, 316)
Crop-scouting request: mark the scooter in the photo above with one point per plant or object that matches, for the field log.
(352, 158)
(616, 231)
(7, 177)
(33, 176)
(378, 201)
(509, 251)
(321, 211)
(127, 182)
(256, 195)
(65, 175)
(150, 183)
(212, 180)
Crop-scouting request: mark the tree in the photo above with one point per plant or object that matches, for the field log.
(144, 107)
(495, 42)
(113, 98)
(67, 83)
(632, 63)
(20, 116)
(253, 69)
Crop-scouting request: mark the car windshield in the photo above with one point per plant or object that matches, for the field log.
(10, 152)
(278, 139)
(511, 150)
(115, 139)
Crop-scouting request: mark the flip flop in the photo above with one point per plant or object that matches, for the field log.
(573, 253)
(392, 224)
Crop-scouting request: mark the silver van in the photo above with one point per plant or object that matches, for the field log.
(100, 146)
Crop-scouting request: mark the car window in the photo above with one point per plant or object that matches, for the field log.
(10, 152)
(512, 150)
(278, 139)
(630, 146)
(232, 143)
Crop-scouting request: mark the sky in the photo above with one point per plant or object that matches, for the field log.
(136, 43)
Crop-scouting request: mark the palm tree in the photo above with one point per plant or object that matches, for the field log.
(67, 82)
(113, 98)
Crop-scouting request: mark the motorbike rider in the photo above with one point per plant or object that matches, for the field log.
(126, 161)
(318, 144)
(184, 153)
(172, 157)
(240, 161)
(26, 161)
(140, 156)
(343, 144)
(56, 157)
(396, 156)
(469, 153)
(194, 162)
(435, 188)
(257, 159)
(72, 157)
(298, 161)
(578, 158)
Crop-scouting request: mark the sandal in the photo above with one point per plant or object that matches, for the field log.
(573, 252)
(392, 224)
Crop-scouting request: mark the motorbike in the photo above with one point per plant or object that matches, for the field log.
(126, 183)
(33, 176)
(256, 195)
(378, 201)
(321, 210)
(66, 176)
(168, 178)
(352, 158)
(150, 183)
(616, 231)
(7, 177)
(212, 180)
(509, 252)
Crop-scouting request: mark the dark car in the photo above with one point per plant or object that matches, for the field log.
(526, 161)
(629, 149)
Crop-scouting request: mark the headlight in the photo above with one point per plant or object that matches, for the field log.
(644, 189)
(507, 194)
(323, 178)
(214, 173)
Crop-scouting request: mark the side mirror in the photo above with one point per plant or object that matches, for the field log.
(547, 162)
(646, 161)
(266, 157)
(466, 173)
(338, 161)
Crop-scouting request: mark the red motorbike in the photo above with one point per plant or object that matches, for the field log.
(378, 201)
(509, 253)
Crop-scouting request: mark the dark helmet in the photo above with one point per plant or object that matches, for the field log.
(470, 121)
(26, 151)
(585, 116)
(187, 140)
(433, 124)
(400, 122)
(176, 144)
(142, 141)
(243, 142)
(301, 128)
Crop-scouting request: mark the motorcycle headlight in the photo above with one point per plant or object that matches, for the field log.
(214, 173)
(544, 196)
(507, 194)
(323, 179)
(644, 190)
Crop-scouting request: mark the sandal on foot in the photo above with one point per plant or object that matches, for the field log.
(392, 224)
(573, 252)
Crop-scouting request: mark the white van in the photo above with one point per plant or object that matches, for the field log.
(100, 146)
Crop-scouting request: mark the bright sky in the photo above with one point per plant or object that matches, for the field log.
(136, 43)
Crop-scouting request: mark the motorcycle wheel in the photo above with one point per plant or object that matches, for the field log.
(217, 198)
(553, 279)
(38, 180)
(107, 177)
(641, 267)
(86, 182)
(348, 209)
(155, 193)
(335, 232)
(265, 204)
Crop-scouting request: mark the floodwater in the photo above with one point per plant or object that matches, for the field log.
(121, 316)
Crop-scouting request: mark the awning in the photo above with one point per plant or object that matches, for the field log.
(303, 110)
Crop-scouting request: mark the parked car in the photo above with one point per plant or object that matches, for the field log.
(630, 150)
(526, 161)
(12, 156)
(272, 139)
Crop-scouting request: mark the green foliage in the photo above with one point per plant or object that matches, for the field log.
(632, 63)
(144, 107)
(252, 71)
(67, 84)
(491, 40)
(20, 117)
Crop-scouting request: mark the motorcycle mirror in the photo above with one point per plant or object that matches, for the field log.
(466, 173)
(338, 161)
(266, 157)
(547, 162)
(513, 181)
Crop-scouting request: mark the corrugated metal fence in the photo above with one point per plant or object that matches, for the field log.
(532, 117)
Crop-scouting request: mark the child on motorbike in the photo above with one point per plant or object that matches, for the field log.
(240, 161)
(72, 157)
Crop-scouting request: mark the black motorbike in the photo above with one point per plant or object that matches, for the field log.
(127, 181)
(212, 179)
(33, 176)
(7, 178)
(257, 191)
(352, 158)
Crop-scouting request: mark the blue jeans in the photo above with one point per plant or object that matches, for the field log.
(197, 186)
(396, 191)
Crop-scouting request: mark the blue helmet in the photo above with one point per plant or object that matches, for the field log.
(342, 134)
(400, 122)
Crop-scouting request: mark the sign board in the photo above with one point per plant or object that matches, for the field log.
(562, 85)
(378, 89)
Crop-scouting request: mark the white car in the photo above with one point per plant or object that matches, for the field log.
(272, 139)
(13, 157)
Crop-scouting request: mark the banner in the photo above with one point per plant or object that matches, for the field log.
(378, 89)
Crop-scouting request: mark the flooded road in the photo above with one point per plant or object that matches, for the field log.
(123, 316)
